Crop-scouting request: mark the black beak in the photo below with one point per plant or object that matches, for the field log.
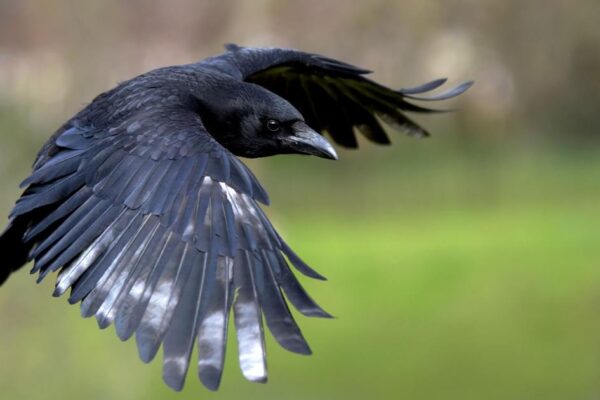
(307, 141)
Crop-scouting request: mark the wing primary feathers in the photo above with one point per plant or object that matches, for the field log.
(292, 288)
(248, 321)
(212, 333)
(298, 263)
(388, 111)
(448, 94)
(425, 87)
(391, 99)
(403, 124)
(180, 337)
(277, 314)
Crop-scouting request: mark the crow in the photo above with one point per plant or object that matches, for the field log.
(141, 202)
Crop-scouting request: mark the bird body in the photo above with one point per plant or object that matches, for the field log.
(141, 202)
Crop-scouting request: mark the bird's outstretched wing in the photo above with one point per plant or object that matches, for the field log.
(336, 97)
(156, 227)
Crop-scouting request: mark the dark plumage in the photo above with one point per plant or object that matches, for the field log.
(141, 204)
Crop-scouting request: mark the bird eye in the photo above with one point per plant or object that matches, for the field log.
(273, 125)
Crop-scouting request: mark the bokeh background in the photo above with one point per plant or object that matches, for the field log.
(463, 266)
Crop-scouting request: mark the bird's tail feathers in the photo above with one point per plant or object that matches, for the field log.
(12, 248)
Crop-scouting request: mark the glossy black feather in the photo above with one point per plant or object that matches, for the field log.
(248, 320)
(85, 214)
(62, 211)
(277, 314)
(214, 320)
(119, 255)
(425, 87)
(291, 287)
(182, 332)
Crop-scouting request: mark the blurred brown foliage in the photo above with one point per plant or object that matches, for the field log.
(536, 63)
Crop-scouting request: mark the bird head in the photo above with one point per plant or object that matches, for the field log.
(253, 122)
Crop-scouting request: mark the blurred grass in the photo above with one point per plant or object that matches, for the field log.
(457, 270)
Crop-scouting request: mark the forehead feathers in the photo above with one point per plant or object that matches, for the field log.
(264, 103)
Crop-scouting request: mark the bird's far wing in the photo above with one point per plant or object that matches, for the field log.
(156, 227)
(336, 97)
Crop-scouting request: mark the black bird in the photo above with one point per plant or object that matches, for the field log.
(142, 205)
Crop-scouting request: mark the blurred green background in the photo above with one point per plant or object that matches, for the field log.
(464, 266)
